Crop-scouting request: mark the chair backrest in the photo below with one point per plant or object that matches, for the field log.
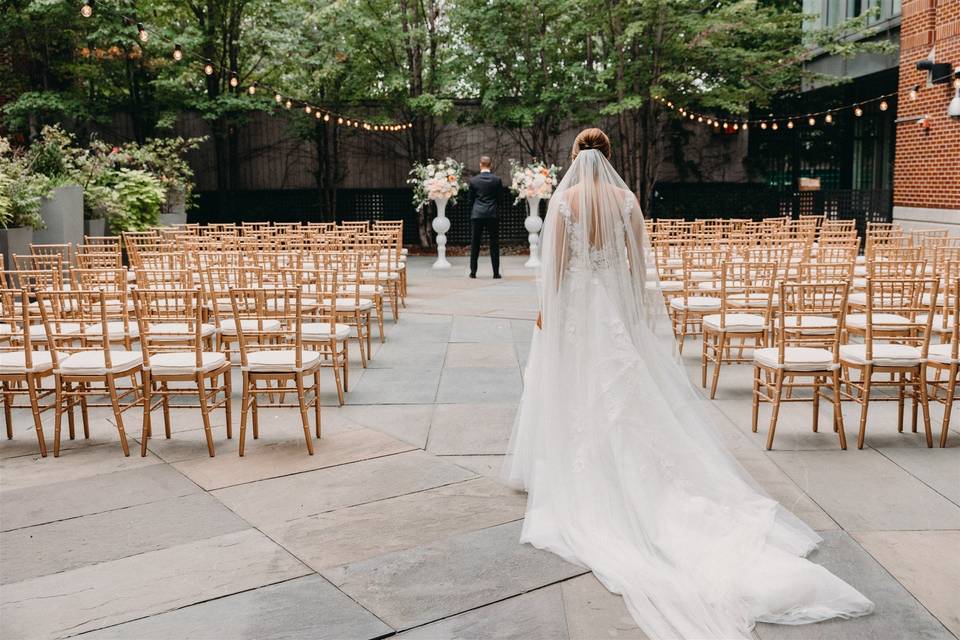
(15, 319)
(283, 305)
(77, 320)
(170, 320)
(897, 310)
(810, 315)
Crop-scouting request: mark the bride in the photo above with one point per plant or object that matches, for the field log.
(624, 472)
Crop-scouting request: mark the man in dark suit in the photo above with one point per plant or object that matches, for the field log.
(485, 188)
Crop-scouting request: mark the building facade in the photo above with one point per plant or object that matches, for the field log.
(927, 169)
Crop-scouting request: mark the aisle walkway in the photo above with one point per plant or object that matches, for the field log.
(399, 523)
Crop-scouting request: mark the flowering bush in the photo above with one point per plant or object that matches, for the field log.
(535, 180)
(435, 180)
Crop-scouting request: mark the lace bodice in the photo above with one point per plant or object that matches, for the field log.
(581, 255)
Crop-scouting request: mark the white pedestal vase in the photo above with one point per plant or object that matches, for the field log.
(441, 224)
(533, 224)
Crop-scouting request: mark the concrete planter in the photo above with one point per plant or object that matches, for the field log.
(15, 241)
(95, 227)
(62, 213)
(170, 219)
(176, 203)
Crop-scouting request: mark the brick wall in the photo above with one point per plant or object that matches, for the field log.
(927, 166)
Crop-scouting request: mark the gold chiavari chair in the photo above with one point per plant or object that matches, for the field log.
(757, 280)
(84, 359)
(122, 326)
(177, 348)
(218, 282)
(895, 342)
(805, 347)
(693, 302)
(944, 358)
(65, 251)
(274, 355)
(352, 308)
(22, 368)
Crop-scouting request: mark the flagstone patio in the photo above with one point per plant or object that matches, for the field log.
(399, 524)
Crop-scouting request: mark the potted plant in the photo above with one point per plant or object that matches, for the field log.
(140, 196)
(55, 157)
(97, 176)
(21, 193)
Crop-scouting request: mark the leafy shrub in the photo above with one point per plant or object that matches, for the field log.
(139, 198)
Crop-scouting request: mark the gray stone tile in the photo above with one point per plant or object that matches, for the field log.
(308, 607)
(537, 615)
(69, 544)
(109, 593)
(897, 613)
(316, 492)
(926, 563)
(488, 466)
(18, 473)
(463, 429)
(37, 504)
(480, 384)
(375, 528)
(409, 423)
(593, 612)
(271, 459)
(937, 468)
(395, 386)
(863, 491)
(420, 328)
(785, 491)
(522, 330)
(481, 354)
(475, 329)
(409, 355)
(412, 587)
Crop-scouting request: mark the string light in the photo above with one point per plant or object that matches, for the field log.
(208, 68)
(763, 125)
(87, 9)
(857, 111)
(913, 91)
(278, 98)
(142, 33)
(829, 118)
(307, 109)
(234, 81)
(789, 124)
(318, 114)
(252, 89)
(177, 52)
(812, 121)
(883, 105)
(326, 117)
(774, 126)
(288, 104)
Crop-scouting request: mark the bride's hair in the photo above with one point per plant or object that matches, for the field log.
(591, 139)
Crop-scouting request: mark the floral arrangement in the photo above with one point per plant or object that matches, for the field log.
(438, 179)
(534, 180)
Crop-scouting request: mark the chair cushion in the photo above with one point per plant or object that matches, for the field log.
(695, 303)
(184, 363)
(92, 363)
(713, 285)
(884, 355)
(281, 361)
(178, 331)
(5, 329)
(939, 325)
(859, 320)
(115, 329)
(735, 322)
(382, 275)
(811, 325)
(751, 300)
(229, 326)
(860, 270)
(12, 362)
(940, 353)
(664, 285)
(795, 358)
(321, 331)
(349, 304)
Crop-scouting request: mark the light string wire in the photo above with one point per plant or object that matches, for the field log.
(209, 68)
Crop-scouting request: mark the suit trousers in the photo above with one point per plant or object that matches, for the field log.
(492, 227)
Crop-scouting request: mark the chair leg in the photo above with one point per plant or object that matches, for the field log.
(718, 353)
(777, 395)
(58, 415)
(165, 389)
(838, 411)
(901, 396)
(756, 399)
(947, 403)
(363, 352)
(864, 404)
(244, 406)
(816, 404)
(205, 413)
(703, 360)
(32, 391)
(302, 401)
(383, 337)
(228, 401)
(924, 403)
(316, 400)
(346, 365)
(147, 400)
(118, 413)
(7, 409)
(84, 411)
(71, 422)
(336, 370)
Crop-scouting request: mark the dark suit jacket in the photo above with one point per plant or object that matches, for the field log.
(485, 190)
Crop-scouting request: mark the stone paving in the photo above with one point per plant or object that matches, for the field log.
(399, 524)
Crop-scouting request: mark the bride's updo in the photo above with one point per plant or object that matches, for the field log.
(591, 139)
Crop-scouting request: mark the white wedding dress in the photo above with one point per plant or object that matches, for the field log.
(625, 473)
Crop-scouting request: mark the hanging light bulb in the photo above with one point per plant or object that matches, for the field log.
(763, 125)
(348, 123)
(744, 127)
(913, 91)
(829, 118)
(177, 52)
(288, 104)
(774, 126)
(883, 105)
(355, 124)
(709, 121)
(307, 109)
(812, 121)
(736, 127)
(789, 124)
(208, 68)
(277, 98)
(234, 80)
(692, 116)
(142, 33)
(318, 115)
(326, 117)
(716, 124)
(699, 118)
(87, 9)
(857, 111)
(252, 89)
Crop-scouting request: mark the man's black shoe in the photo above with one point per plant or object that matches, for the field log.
(473, 275)
(497, 276)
